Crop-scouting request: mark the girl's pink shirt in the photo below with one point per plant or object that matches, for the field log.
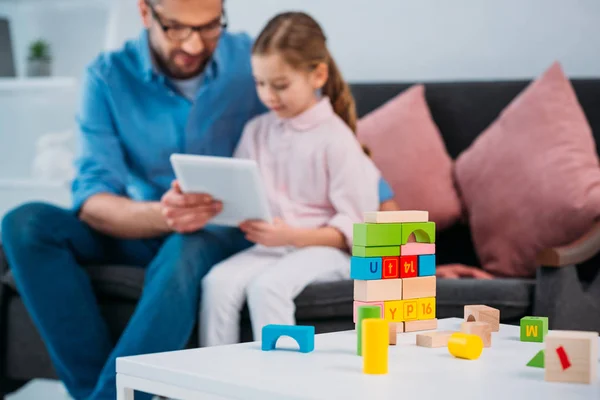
(314, 169)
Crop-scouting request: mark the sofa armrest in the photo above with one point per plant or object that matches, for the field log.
(574, 253)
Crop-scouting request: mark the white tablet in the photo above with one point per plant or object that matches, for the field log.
(235, 182)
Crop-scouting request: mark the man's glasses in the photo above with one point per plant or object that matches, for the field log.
(180, 33)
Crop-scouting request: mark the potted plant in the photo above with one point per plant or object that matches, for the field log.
(39, 60)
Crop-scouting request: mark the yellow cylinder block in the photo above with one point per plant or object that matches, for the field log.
(375, 345)
(465, 345)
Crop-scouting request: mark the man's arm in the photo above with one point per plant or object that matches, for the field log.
(99, 188)
(124, 218)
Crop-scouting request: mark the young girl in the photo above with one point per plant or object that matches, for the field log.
(318, 179)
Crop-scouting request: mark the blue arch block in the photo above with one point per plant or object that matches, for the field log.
(303, 335)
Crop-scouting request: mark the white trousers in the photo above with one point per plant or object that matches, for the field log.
(269, 279)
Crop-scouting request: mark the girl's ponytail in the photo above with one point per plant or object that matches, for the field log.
(339, 93)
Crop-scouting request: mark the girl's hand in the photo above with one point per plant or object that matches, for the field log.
(271, 235)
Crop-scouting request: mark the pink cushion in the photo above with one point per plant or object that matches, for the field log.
(407, 147)
(531, 180)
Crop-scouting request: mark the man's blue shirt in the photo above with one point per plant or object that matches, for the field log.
(132, 118)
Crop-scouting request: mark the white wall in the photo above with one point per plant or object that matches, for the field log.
(420, 40)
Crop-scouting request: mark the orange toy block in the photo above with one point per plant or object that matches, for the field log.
(481, 329)
(424, 325)
(409, 310)
(390, 268)
(408, 266)
(434, 339)
(425, 308)
(378, 290)
(481, 313)
(415, 288)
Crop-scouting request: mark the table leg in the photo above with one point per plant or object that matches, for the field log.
(124, 393)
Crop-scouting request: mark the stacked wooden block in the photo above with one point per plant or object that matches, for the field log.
(393, 267)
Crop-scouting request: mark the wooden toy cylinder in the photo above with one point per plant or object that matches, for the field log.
(364, 312)
(375, 345)
(465, 345)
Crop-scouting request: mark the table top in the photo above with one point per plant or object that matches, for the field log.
(334, 371)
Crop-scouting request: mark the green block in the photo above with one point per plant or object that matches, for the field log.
(534, 329)
(381, 251)
(537, 361)
(377, 234)
(364, 312)
(424, 232)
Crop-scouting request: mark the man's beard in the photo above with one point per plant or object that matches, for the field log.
(169, 68)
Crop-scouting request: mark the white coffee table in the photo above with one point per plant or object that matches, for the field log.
(333, 371)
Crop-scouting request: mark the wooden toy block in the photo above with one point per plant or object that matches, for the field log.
(465, 345)
(387, 217)
(400, 327)
(424, 232)
(393, 332)
(434, 339)
(365, 268)
(534, 329)
(369, 235)
(393, 311)
(537, 361)
(481, 329)
(375, 344)
(381, 290)
(364, 312)
(409, 310)
(408, 267)
(366, 303)
(425, 308)
(425, 325)
(415, 288)
(417, 249)
(379, 251)
(571, 356)
(481, 313)
(303, 335)
(390, 267)
(426, 265)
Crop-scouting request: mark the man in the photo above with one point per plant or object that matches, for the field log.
(185, 86)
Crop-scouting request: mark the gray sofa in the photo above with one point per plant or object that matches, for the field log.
(566, 288)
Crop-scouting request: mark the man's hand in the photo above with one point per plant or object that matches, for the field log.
(186, 213)
(270, 235)
(455, 271)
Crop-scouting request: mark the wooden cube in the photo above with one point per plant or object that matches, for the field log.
(390, 267)
(425, 308)
(365, 303)
(380, 290)
(424, 325)
(410, 310)
(365, 268)
(408, 266)
(534, 329)
(434, 339)
(393, 311)
(481, 313)
(481, 329)
(571, 356)
(419, 287)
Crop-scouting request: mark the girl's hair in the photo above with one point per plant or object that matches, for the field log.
(302, 43)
